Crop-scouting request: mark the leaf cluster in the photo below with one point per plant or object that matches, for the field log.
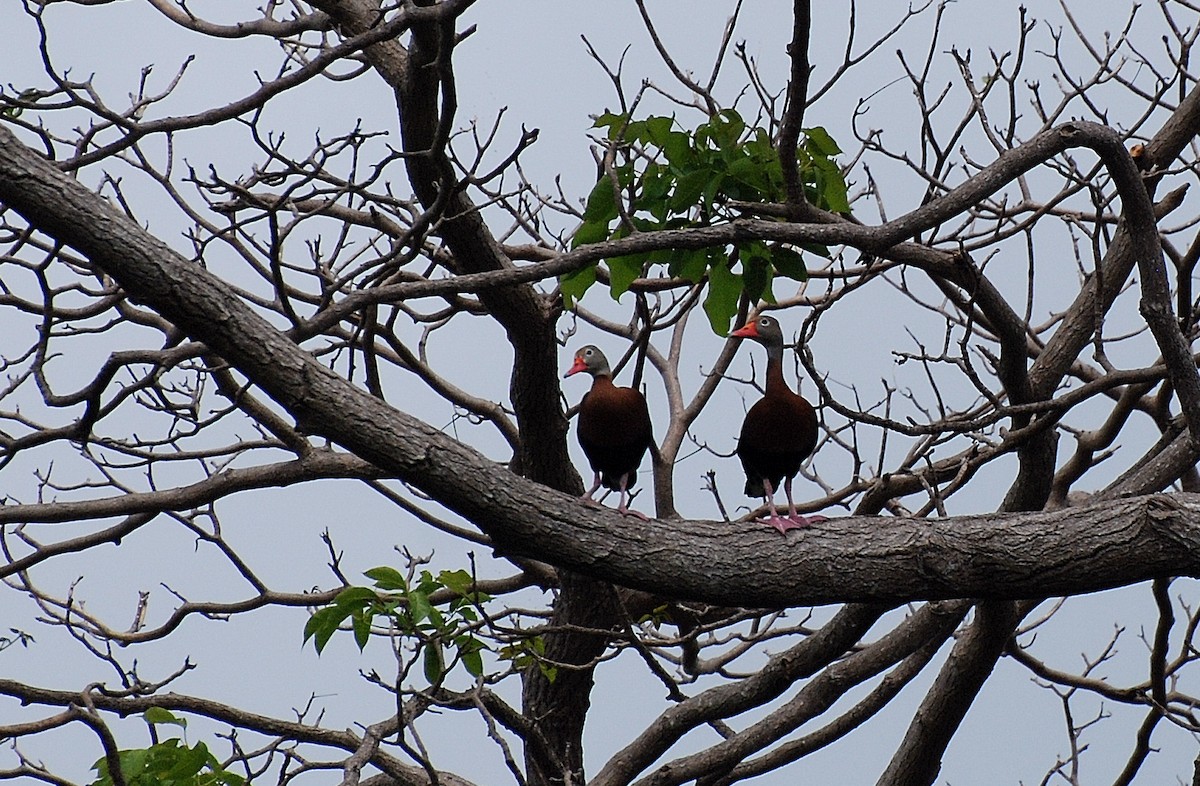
(405, 607)
(664, 178)
(168, 763)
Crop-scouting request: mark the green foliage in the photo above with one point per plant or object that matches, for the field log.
(16, 111)
(167, 763)
(528, 651)
(406, 608)
(674, 179)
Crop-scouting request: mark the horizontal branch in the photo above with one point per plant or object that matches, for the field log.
(862, 558)
(126, 705)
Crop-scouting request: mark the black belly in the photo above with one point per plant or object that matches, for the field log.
(613, 461)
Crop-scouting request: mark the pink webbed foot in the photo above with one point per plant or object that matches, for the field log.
(806, 521)
(635, 513)
(782, 523)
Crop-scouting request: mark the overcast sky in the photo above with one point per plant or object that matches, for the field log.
(528, 56)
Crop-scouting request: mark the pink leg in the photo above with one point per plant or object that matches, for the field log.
(595, 485)
(623, 508)
(797, 520)
(775, 520)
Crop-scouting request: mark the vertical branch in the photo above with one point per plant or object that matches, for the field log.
(797, 99)
(1158, 682)
(919, 758)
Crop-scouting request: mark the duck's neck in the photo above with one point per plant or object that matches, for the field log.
(775, 381)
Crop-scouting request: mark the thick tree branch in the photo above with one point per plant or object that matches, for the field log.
(1071, 551)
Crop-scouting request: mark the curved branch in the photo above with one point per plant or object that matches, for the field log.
(823, 564)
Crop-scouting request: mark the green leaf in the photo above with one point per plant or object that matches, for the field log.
(428, 583)
(419, 607)
(723, 129)
(821, 142)
(157, 715)
(677, 147)
(817, 249)
(756, 270)
(353, 597)
(691, 265)
(721, 304)
(658, 129)
(187, 762)
(456, 581)
(590, 232)
(433, 663)
(601, 202)
(831, 186)
(473, 661)
(688, 190)
(657, 182)
(750, 173)
(574, 284)
(634, 132)
(789, 263)
(622, 272)
(386, 578)
(613, 122)
(361, 624)
(712, 188)
(324, 623)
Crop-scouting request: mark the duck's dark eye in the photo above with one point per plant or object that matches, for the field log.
(765, 321)
(587, 353)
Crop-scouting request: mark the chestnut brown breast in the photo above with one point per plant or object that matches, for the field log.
(614, 430)
(779, 433)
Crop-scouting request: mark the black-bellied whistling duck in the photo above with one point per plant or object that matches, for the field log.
(779, 431)
(614, 428)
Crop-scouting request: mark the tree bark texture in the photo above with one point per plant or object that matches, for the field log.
(859, 558)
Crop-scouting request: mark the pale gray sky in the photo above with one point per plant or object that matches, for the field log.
(528, 56)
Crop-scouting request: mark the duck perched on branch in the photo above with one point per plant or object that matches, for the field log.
(779, 432)
(614, 428)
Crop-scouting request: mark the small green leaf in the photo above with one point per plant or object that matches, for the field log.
(658, 130)
(821, 142)
(433, 663)
(575, 283)
(721, 304)
(677, 147)
(656, 183)
(187, 763)
(601, 203)
(612, 121)
(473, 661)
(456, 581)
(831, 186)
(419, 607)
(789, 263)
(590, 232)
(157, 715)
(353, 597)
(623, 271)
(688, 190)
(361, 623)
(711, 189)
(750, 173)
(323, 623)
(386, 578)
